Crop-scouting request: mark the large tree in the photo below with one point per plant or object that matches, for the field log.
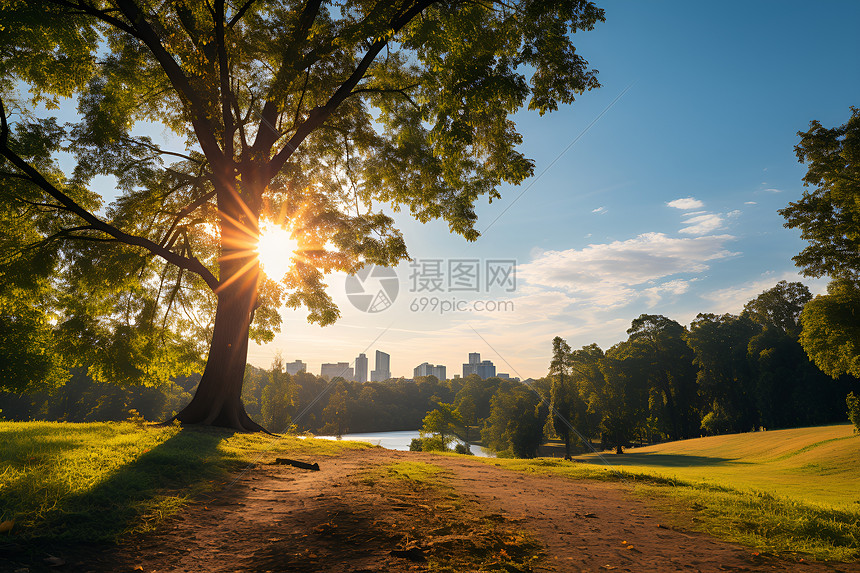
(658, 348)
(315, 116)
(564, 401)
(828, 216)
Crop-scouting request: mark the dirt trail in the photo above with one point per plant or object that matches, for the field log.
(596, 526)
(279, 518)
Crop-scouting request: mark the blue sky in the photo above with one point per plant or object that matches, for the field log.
(716, 93)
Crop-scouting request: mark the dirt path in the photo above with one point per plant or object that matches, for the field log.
(595, 526)
(278, 518)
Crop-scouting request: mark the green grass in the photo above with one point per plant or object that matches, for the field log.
(100, 481)
(784, 491)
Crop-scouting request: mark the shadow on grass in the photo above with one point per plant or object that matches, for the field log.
(133, 497)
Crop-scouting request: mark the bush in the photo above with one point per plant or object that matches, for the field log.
(853, 403)
(428, 444)
(462, 449)
(717, 421)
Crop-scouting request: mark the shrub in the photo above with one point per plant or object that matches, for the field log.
(853, 403)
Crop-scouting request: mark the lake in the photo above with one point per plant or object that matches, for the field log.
(397, 441)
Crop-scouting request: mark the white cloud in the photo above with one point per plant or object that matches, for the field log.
(750, 203)
(615, 274)
(670, 288)
(599, 211)
(771, 190)
(732, 299)
(686, 203)
(703, 224)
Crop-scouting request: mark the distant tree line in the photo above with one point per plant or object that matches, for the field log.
(725, 373)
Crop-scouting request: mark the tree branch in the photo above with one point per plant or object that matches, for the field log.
(190, 208)
(143, 31)
(267, 134)
(240, 14)
(318, 115)
(224, 74)
(190, 264)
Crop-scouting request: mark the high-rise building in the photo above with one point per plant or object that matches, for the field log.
(294, 368)
(361, 368)
(336, 370)
(427, 369)
(383, 367)
(484, 369)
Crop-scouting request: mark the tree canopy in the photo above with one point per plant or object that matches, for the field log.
(829, 219)
(319, 117)
(828, 215)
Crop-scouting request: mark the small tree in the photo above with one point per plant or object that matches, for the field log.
(337, 412)
(277, 398)
(442, 424)
(853, 403)
(468, 413)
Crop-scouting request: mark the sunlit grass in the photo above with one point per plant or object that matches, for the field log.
(782, 491)
(99, 481)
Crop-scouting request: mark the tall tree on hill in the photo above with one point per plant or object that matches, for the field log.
(657, 344)
(566, 408)
(726, 377)
(311, 115)
(828, 216)
(624, 396)
(789, 390)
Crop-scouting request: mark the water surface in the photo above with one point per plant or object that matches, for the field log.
(397, 441)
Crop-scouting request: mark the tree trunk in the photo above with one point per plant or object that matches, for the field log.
(567, 445)
(218, 399)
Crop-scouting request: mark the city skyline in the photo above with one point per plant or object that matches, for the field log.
(354, 370)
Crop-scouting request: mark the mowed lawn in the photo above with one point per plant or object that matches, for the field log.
(816, 465)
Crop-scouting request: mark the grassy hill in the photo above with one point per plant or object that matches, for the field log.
(817, 465)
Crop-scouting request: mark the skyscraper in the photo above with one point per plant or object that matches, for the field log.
(427, 369)
(484, 369)
(294, 368)
(383, 367)
(361, 368)
(336, 370)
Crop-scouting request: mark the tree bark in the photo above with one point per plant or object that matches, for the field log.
(218, 399)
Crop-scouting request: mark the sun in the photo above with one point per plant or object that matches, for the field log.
(275, 249)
